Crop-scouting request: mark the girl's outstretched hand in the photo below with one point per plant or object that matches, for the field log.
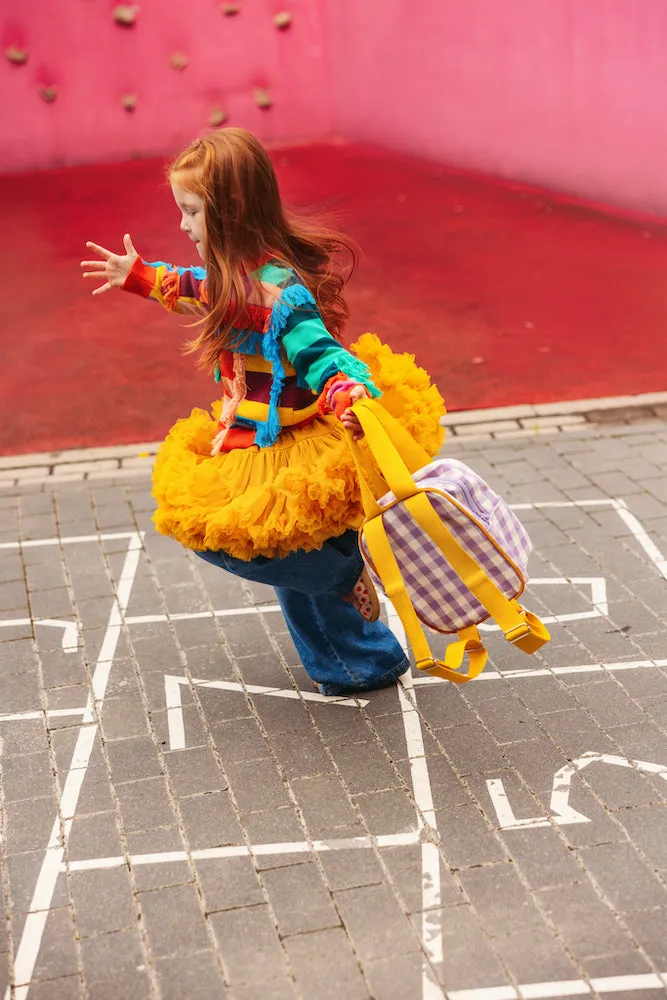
(113, 268)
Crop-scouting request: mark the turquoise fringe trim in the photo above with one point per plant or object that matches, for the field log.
(291, 298)
(360, 372)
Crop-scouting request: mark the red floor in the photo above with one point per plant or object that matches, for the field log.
(507, 295)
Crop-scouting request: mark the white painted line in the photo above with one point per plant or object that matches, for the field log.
(584, 668)
(431, 930)
(635, 526)
(562, 811)
(406, 839)
(40, 714)
(70, 642)
(598, 585)
(174, 683)
(182, 616)
(33, 929)
(565, 988)
(72, 539)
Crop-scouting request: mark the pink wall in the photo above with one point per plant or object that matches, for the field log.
(76, 45)
(566, 93)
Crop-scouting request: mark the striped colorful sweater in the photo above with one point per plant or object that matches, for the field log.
(282, 362)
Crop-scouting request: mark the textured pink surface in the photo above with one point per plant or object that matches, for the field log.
(93, 61)
(566, 93)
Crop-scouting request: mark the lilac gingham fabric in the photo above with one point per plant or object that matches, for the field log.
(439, 596)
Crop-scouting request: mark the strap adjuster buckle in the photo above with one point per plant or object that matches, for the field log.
(517, 632)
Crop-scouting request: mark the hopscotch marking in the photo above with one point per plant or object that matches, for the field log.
(431, 891)
(562, 811)
(70, 640)
(175, 722)
(597, 584)
(35, 923)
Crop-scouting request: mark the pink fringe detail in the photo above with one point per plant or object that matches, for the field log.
(234, 390)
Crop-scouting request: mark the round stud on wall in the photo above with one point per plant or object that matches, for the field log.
(262, 98)
(49, 93)
(16, 55)
(283, 20)
(129, 101)
(125, 14)
(217, 117)
(230, 9)
(179, 60)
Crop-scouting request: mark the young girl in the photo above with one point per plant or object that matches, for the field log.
(266, 487)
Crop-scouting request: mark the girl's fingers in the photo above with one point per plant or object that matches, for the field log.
(100, 250)
(102, 288)
(93, 274)
(129, 246)
(95, 265)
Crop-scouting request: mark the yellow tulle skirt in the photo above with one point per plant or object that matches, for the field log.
(294, 495)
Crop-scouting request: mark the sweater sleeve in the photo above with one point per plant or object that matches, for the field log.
(316, 356)
(179, 289)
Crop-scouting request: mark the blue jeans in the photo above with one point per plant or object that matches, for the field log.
(341, 651)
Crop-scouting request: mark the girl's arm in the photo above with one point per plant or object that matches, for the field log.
(317, 357)
(179, 289)
(326, 367)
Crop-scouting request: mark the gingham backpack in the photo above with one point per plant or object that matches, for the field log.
(445, 549)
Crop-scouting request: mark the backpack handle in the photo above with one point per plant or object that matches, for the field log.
(396, 454)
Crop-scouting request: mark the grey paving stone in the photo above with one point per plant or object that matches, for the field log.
(645, 827)
(587, 925)
(542, 857)
(257, 785)
(229, 883)
(395, 976)
(57, 955)
(375, 938)
(325, 966)
(174, 921)
(28, 824)
(192, 977)
(145, 804)
(545, 958)
(123, 717)
(325, 806)
(388, 811)
(65, 988)
(23, 871)
(365, 768)
(114, 965)
(26, 777)
(103, 901)
(239, 738)
(283, 988)
(466, 839)
(303, 757)
(351, 868)
(233, 930)
(502, 903)
(624, 878)
(210, 820)
(469, 959)
(94, 836)
(194, 770)
(133, 758)
(272, 826)
(299, 898)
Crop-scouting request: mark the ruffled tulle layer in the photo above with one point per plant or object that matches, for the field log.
(294, 495)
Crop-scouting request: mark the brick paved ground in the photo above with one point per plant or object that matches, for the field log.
(184, 818)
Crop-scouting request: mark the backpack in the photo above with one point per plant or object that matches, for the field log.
(445, 549)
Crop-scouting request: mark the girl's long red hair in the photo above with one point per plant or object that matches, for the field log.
(246, 222)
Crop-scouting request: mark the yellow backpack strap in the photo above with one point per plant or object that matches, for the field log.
(520, 627)
(388, 570)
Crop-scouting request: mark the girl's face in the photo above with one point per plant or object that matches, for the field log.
(192, 215)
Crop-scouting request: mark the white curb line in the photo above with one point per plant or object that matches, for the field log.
(502, 422)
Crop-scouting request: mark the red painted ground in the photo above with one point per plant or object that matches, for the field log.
(507, 295)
